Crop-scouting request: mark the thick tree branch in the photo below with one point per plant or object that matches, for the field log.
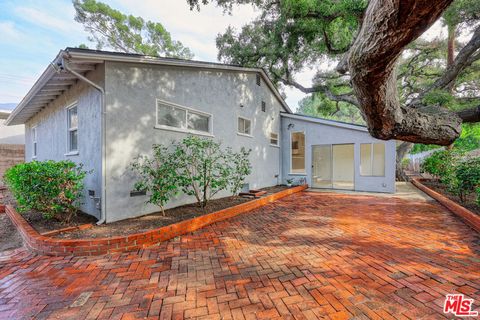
(389, 26)
(347, 97)
(470, 115)
(465, 58)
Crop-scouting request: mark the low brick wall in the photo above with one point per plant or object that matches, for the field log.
(469, 217)
(10, 154)
(91, 247)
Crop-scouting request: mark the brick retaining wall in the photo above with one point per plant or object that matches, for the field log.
(469, 217)
(92, 247)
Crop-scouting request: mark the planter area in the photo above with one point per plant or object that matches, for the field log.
(468, 216)
(46, 244)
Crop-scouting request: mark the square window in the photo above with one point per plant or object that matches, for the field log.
(244, 126)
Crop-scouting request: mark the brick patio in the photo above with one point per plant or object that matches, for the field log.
(307, 256)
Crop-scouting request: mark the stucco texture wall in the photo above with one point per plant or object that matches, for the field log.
(131, 93)
(322, 134)
(51, 126)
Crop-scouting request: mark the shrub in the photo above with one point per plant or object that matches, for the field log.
(240, 169)
(157, 175)
(467, 177)
(441, 165)
(202, 167)
(53, 188)
(195, 166)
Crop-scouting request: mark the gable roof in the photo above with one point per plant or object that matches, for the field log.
(54, 81)
(328, 122)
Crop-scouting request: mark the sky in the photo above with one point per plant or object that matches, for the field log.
(32, 33)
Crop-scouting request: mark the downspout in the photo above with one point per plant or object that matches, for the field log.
(103, 202)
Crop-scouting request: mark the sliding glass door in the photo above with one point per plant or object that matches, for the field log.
(333, 166)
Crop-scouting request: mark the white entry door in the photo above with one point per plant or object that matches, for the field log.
(333, 166)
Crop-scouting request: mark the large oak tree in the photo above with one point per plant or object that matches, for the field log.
(367, 41)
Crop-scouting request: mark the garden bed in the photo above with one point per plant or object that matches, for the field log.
(157, 220)
(468, 216)
(470, 201)
(46, 244)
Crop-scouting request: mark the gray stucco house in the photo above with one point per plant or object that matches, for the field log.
(102, 109)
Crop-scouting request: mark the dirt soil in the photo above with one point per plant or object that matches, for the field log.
(157, 220)
(42, 225)
(470, 203)
(9, 236)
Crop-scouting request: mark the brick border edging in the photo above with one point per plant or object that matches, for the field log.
(38, 243)
(469, 217)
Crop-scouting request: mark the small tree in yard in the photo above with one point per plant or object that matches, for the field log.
(53, 188)
(157, 175)
(240, 168)
(203, 168)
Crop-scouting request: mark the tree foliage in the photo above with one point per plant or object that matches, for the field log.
(204, 168)
(289, 36)
(53, 188)
(194, 166)
(157, 175)
(111, 28)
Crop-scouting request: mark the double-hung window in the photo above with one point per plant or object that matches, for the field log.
(372, 159)
(34, 142)
(274, 139)
(244, 126)
(72, 126)
(179, 118)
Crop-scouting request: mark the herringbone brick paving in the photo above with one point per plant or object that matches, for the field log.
(306, 256)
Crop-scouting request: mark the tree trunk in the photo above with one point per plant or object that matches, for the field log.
(402, 151)
(388, 26)
(451, 52)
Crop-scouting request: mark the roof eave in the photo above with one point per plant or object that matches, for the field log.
(45, 77)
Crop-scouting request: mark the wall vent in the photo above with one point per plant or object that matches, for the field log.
(138, 193)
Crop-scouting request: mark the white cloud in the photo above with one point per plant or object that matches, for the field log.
(58, 21)
(9, 31)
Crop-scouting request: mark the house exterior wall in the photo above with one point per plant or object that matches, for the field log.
(51, 125)
(131, 93)
(319, 134)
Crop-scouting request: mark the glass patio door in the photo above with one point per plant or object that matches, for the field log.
(322, 166)
(333, 166)
(343, 166)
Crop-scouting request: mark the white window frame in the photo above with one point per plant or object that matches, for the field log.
(70, 151)
(278, 139)
(187, 111)
(251, 127)
(291, 173)
(371, 159)
(34, 142)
